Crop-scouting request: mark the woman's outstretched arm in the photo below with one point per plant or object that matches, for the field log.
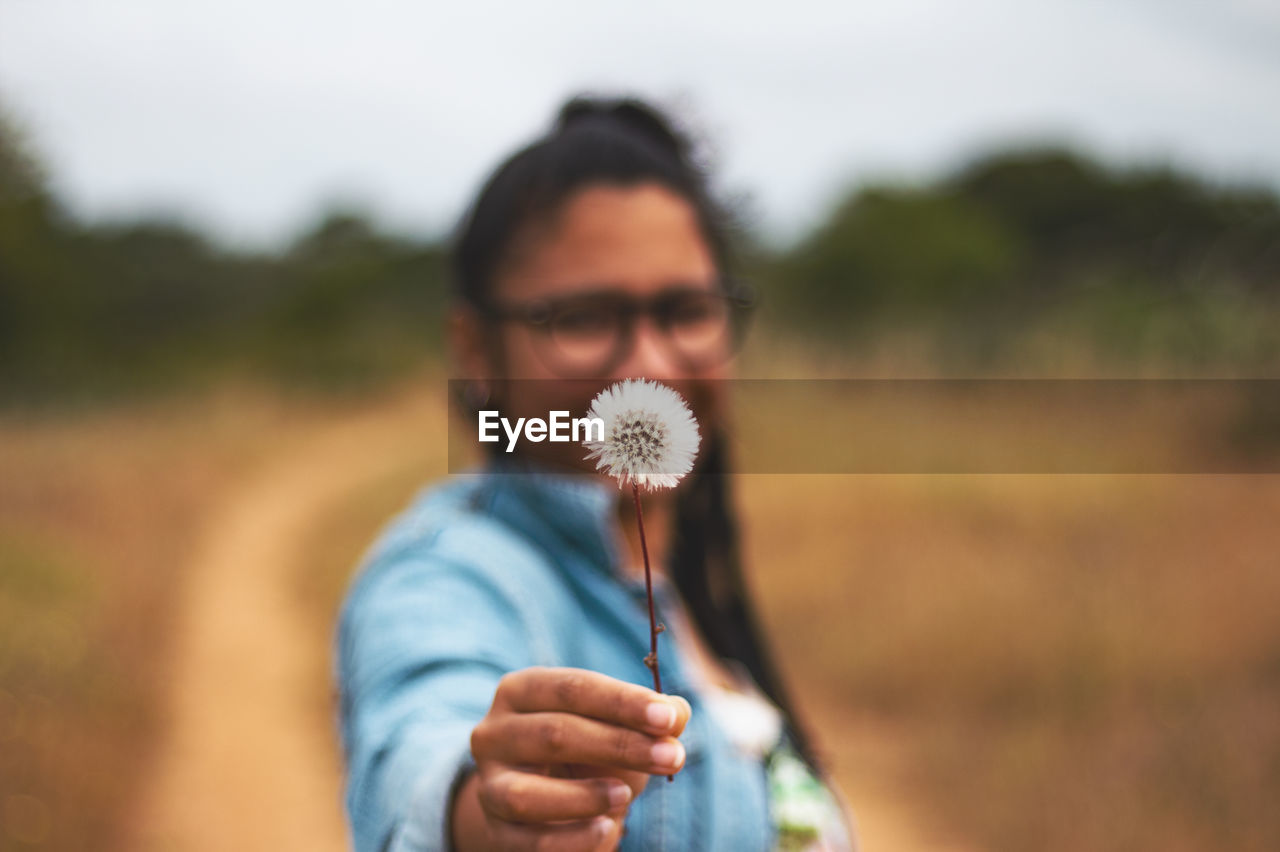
(422, 644)
(439, 682)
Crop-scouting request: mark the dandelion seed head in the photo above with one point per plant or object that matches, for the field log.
(650, 436)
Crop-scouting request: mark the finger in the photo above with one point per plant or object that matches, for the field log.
(599, 696)
(637, 781)
(565, 837)
(558, 738)
(516, 796)
(683, 711)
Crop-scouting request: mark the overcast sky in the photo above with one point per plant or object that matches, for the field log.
(246, 116)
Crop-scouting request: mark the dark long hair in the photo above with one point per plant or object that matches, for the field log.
(626, 142)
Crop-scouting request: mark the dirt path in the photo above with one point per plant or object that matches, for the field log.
(248, 762)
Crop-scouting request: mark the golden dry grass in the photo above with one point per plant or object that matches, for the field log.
(997, 662)
(1058, 662)
(96, 513)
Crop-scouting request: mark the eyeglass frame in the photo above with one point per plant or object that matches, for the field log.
(740, 299)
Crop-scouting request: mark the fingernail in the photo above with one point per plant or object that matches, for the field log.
(602, 826)
(667, 755)
(619, 795)
(660, 715)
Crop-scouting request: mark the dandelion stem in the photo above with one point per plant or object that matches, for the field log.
(652, 660)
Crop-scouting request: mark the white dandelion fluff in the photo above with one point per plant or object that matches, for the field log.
(650, 436)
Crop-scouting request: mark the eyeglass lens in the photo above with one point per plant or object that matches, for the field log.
(592, 332)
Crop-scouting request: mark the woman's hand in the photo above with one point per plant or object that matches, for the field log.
(559, 758)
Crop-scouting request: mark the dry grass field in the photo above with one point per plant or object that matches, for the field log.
(96, 518)
(1055, 662)
(1015, 662)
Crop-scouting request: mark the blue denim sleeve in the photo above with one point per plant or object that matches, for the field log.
(423, 639)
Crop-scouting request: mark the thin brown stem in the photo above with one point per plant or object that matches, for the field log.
(652, 660)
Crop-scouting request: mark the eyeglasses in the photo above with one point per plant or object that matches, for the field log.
(589, 334)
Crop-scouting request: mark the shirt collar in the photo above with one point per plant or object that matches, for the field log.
(562, 508)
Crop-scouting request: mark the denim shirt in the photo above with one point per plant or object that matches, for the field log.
(482, 575)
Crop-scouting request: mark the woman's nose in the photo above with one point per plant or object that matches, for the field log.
(650, 355)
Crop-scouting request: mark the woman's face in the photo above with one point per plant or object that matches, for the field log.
(621, 284)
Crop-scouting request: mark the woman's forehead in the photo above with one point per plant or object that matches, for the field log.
(640, 238)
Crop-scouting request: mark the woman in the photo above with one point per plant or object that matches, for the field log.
(491, 648)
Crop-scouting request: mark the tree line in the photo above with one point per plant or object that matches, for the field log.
(1131, 262)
